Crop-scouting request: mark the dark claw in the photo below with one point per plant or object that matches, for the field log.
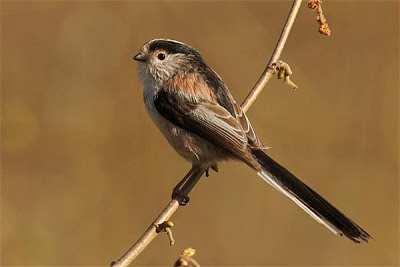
(182, 199)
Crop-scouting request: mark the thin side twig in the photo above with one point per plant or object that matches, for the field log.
(172, 206)
(185, 259)
(323, 25)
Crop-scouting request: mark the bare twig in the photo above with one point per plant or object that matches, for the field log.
(268, 72)
(148, 236)
(151, 232)
(194, 175)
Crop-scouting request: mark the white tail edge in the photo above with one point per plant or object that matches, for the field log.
(270, 179)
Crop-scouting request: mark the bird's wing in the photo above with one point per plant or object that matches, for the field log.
(207, 119)
(241, 117)
(225, 99)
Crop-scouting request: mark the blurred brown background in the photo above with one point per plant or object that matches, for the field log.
(85, 171)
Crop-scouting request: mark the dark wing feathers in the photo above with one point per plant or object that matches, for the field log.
(221, 126)
(209, 120)
(226, 100)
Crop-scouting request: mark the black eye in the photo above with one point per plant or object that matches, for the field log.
(161, 56)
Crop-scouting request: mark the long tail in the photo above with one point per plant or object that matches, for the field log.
(310, 201)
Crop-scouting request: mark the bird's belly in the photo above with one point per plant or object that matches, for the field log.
(189, 145)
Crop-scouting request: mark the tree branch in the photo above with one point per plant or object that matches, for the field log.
(148, 236)
(194, 175)
(268, 72)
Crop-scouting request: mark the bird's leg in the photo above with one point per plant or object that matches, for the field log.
(177, 188)
(213, 167)
(183, 188)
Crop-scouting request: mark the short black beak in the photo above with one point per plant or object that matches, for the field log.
(140, 57)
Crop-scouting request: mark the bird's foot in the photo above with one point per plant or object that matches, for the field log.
(182, 198)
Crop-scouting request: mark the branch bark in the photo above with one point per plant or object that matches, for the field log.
(194, 175)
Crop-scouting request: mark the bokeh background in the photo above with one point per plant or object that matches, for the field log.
(84, 170)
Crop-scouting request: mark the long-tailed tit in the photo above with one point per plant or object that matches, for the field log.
(199, 117)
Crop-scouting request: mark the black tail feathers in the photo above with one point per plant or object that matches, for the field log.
(309, 200)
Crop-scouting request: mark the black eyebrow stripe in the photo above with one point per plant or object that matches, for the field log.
(173, 48)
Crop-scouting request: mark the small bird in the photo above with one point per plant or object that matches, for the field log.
(197, 114)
